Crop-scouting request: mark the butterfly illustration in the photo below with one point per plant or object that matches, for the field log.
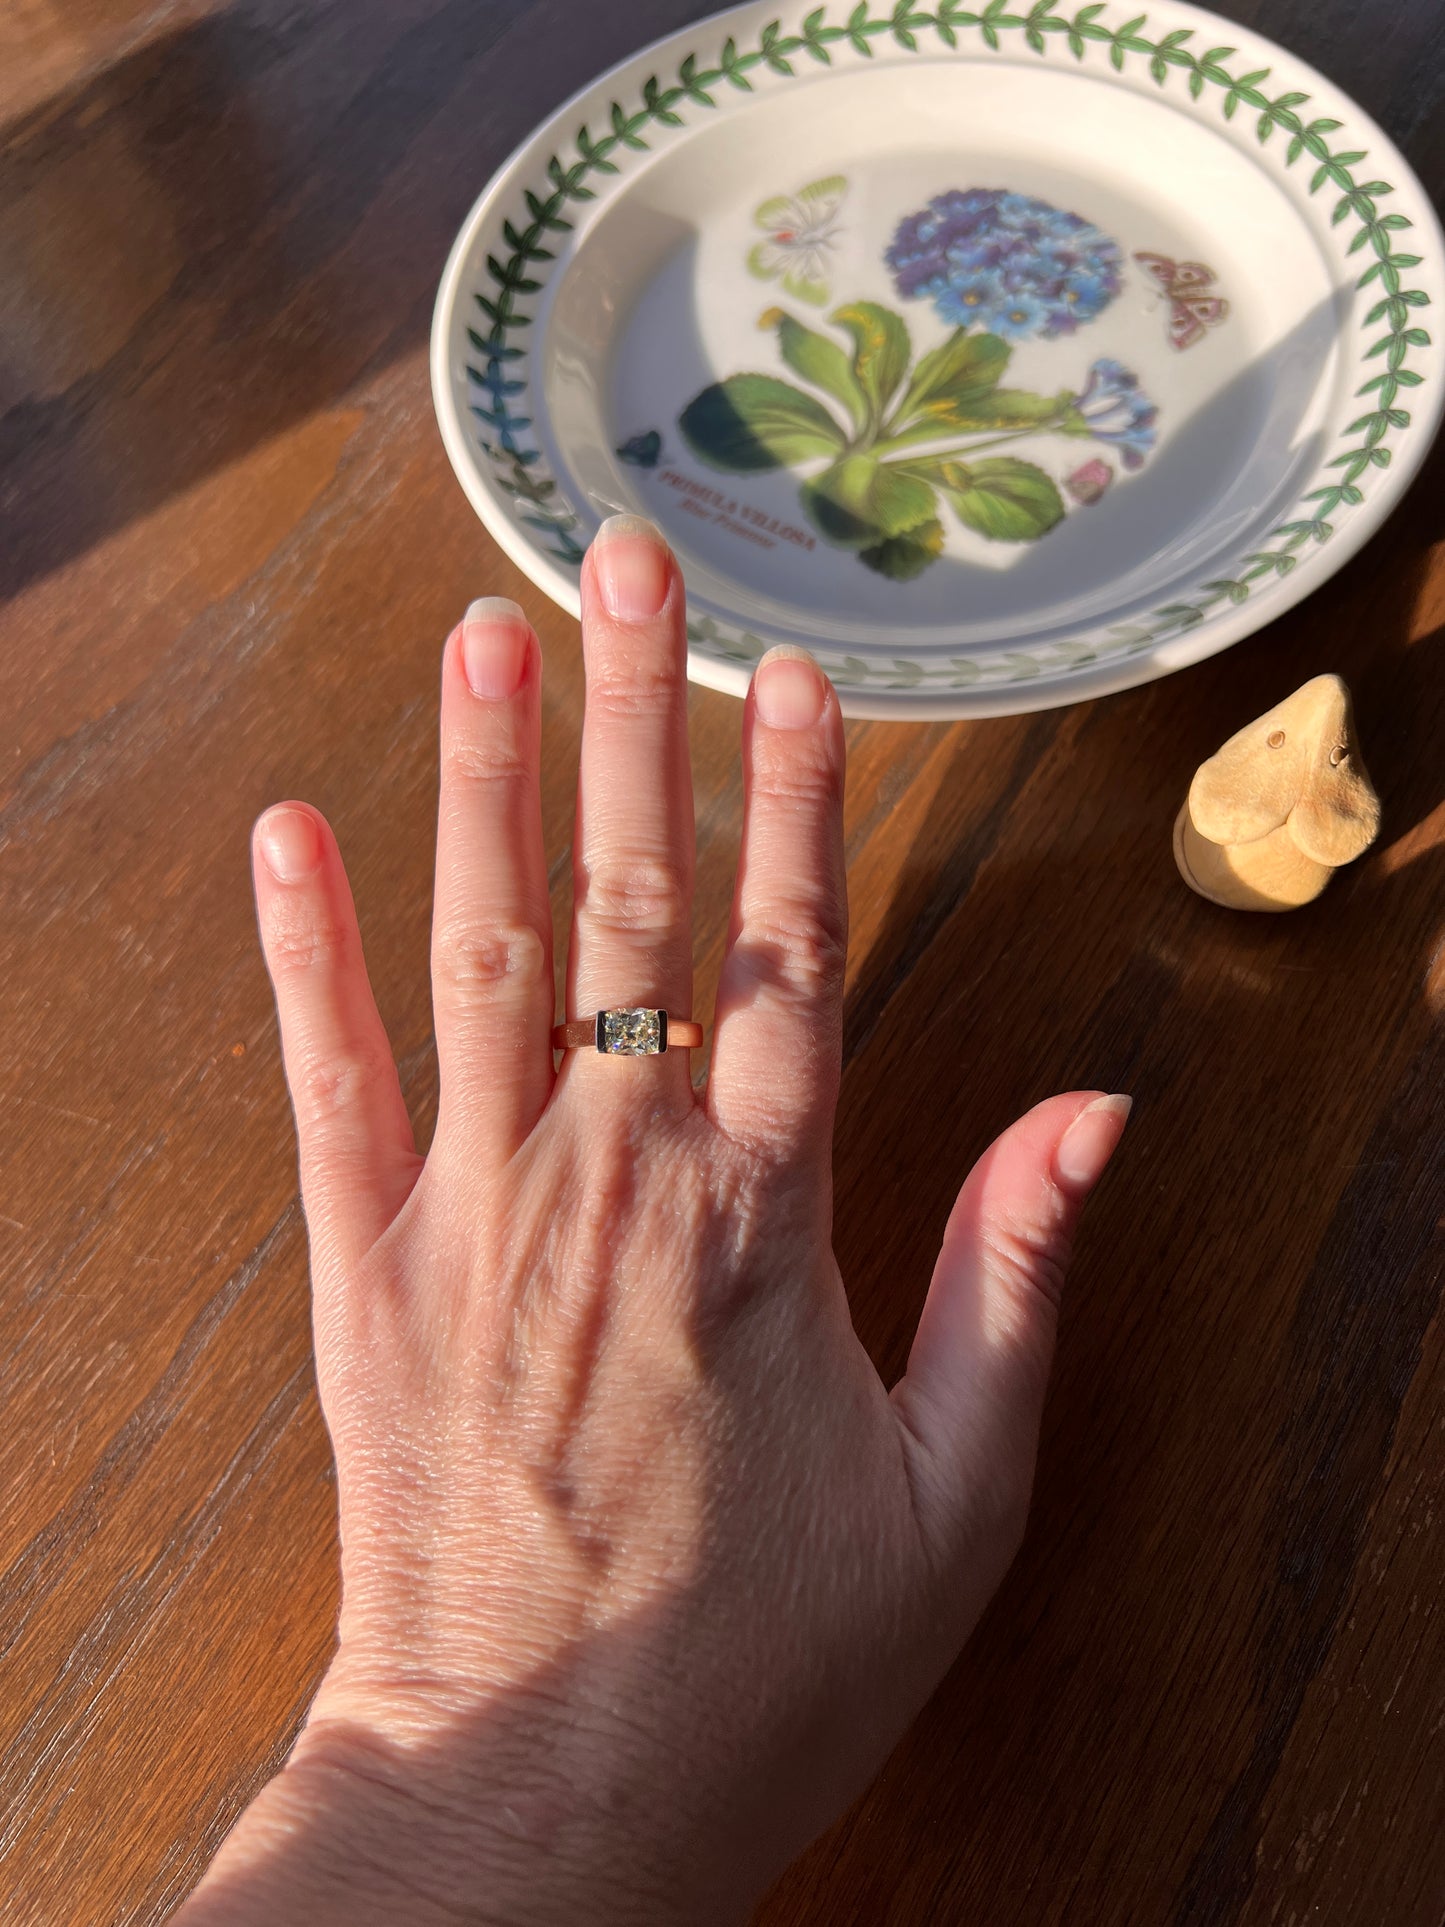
(1190, 310)
(642, 451)
(800, 231)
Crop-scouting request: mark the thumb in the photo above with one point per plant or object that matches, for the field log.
(972, 1397)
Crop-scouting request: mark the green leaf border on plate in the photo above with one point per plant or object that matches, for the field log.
(518, 274)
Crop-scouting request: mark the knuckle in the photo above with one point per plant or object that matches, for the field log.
(789, 774)
(1029, 1254)
(805, 939)
(479, 962)
(486, 763)
(323, 1088)
(299, 945)
(635, 892)
(641, 689)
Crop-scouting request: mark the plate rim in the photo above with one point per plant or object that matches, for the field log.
(1164, 650)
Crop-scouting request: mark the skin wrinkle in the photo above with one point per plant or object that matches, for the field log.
(475, 961)
(298, 943)
(534, 1807)
(1032, 1258)
(631, 894)
(325, 1087)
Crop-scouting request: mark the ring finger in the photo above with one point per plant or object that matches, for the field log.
(633, 851)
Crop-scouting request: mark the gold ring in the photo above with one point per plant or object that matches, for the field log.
(628, 1033)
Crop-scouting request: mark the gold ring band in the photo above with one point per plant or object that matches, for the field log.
(628, 1033)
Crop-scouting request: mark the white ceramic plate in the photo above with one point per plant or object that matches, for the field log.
(1002, 358)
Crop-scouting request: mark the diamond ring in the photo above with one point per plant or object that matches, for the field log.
(628, 1033)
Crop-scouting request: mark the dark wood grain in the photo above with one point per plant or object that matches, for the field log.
(1212, 1692)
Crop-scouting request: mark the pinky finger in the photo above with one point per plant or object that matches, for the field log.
(358, 1158)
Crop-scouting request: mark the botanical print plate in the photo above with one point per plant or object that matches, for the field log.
(1002, 357)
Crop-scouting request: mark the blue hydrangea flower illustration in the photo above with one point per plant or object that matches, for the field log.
(1020, 315)
(970, 296)
(1007, 263)
(1114, 409)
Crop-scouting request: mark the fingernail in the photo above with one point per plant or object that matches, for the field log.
(290, 843)
(495, 639)
(789, 688)
(1090, 1140)
(632, 567)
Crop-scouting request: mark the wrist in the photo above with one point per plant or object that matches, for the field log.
(375, 1820)
(467, 1827)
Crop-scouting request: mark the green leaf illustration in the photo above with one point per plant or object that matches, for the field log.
(859, 499)
(993, 409)
(751, 422)
(902, 557)
(960, 370)
(823, 363)
(1003, 498)
(881, 350)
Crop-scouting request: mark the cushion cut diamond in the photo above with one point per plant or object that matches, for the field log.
(632, 1033)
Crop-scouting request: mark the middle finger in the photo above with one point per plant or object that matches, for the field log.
(634, 849)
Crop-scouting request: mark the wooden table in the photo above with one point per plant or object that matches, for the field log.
(1213, 1688)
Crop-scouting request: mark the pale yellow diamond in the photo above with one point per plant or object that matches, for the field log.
(632, 1033)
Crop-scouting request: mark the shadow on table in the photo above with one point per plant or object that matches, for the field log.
(1258, 1275)
(228, 228)
(202, 255)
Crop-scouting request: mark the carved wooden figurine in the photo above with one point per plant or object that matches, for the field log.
(1271, 817)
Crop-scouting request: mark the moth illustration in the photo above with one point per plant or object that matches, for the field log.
(642, 451)
(1191, 310)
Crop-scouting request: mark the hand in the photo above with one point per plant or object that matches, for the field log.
(644, 1570)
